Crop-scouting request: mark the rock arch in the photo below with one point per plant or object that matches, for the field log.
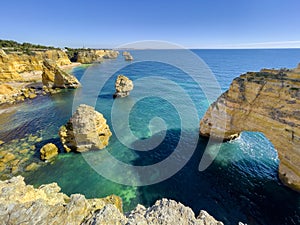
(269, 102)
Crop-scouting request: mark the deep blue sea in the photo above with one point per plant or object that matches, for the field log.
(158, 122)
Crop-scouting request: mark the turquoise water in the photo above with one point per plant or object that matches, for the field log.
(240, 185)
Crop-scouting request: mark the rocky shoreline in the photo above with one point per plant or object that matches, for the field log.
(24, 204)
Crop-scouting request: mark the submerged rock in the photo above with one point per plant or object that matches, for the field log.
(123, 86)
(267, 101)
(48, 151)
(127, 56)
(31, 167)
(54, 77)
(86, 130)
(24, 204)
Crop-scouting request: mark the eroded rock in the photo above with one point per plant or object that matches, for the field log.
(48, 151)
(24, 204)
(87, 129)
(123, 86)
(127, 56)
(267, 102)
(54, 77)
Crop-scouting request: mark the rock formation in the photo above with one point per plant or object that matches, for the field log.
(48, 151)
(54, 77)
(269, 102)
(86, 130)
(13, 65)
(23, 204)
(94, 56)
(127, 56)
(123, 86)
(21, 74)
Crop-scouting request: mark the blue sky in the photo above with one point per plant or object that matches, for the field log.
(190, 23)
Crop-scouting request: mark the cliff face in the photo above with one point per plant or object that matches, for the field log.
(269, 102)
(23, 204)
(91, 56)
(12, 65)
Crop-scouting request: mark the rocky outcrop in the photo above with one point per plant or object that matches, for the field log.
(123, 86)
(48, 151)
(13, 65)
(86, 130)
(54, 77)
(127, 56)
(21, 74)
(269, 102)
(23, 204)
(94, 56)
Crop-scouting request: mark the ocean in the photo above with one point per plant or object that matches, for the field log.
(155, 149)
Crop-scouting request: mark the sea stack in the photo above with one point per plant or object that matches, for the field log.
(269, 102)
(127, 56)
(86, 130)
(123, 86)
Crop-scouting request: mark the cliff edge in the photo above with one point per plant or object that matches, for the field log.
(24, 204)
(269, 102)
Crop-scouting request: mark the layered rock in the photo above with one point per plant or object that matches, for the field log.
(269, 102)
(94, 56)
(123, 86)
(54, 77)
(127, 56)
(48, 151)
(13, 65)
(87, 129)
(21, 74)
(23, 204)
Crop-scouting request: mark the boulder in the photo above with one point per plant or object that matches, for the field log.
(87, 129)
(123, 86)
(48, 151)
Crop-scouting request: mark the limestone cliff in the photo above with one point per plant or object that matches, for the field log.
(54, 77)
(94, 56)
(269, 102)
(23, 204)
(13, 65)
(86, 130)
(123, 86)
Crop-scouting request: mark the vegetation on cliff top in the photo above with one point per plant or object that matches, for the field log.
(27, 48)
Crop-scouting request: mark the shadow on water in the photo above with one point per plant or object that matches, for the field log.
(223, 189)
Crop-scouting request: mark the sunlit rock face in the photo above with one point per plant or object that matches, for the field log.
(269, 102)
(123, 86)
(12, 65)
(86, 130)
